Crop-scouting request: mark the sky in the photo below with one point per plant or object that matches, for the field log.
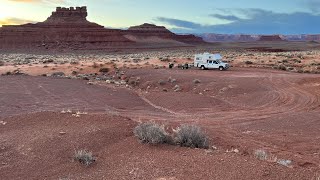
(182, 16)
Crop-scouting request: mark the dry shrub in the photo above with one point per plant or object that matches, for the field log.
(84, 157)
(152, 133)
(196, 81)
(261, 154)
(191, 136)
(104, 70)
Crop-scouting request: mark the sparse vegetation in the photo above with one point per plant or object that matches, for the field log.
(191, 136)
(196, 81)
(248, 62)
(185, 135)
(84, 157)
(95, 65)
(265, 156)
(151, 133)
(1, 63)
(261, 154)
(104, 70)
(161, 82)
(282, 67)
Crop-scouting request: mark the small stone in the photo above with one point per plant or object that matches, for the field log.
(62, 133)
(209, 151)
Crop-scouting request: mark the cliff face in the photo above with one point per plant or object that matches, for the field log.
(150, 30)
(65, 28)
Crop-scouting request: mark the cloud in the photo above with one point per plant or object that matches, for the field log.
(313, 5)
(178, 23)
(14, 21)
(226, 17)
(257, 21)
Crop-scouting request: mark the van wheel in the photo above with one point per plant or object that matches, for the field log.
(203, 68)
(221, 68)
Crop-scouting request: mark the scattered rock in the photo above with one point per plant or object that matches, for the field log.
(177, 88)
(62, 133)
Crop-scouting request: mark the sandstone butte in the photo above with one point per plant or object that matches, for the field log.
(68, 28)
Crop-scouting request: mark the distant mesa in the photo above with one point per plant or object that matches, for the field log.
(69, 29)
(151, 30)
(271, 38)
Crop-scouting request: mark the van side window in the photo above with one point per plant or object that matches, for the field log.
(215, 62)
(198, 58)
(210, 62)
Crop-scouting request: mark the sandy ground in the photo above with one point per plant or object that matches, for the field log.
(244, 109)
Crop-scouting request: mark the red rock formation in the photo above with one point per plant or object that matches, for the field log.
(65, 28)
(271, 38)
(148, 30)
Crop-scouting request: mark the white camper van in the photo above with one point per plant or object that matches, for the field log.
(210, 61)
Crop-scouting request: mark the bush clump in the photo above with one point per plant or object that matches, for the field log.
(185, 135)
(196, 81)
(104, 70)
(191, 136)
(248, 62)
(151, 133)
(84, 157)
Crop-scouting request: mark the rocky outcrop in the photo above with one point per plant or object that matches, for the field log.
(151, 30)
(66, 28)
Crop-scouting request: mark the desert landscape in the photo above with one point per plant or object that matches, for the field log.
(78, 101)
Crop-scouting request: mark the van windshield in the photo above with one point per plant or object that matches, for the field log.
(219, 61)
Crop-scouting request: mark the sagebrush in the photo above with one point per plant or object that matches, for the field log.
(152, 133)
(84, 157)
(191, 136)
(185, 135)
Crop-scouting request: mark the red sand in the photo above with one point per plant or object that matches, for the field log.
(247, 109)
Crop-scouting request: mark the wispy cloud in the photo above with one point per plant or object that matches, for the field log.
(14, 21)
(313, 5)
(226, 17)
(182, 24)
(257, 21)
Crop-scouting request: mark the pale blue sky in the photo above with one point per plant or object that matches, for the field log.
(220, 16)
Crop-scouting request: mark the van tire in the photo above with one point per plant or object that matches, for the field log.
(221, 68)
(203, 68)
